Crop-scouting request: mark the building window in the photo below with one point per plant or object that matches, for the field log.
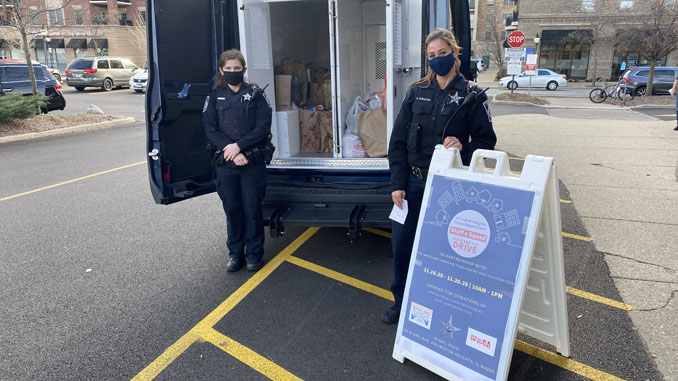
(503, 35)
(668, 3)
(626, 4)
(471, 4)
(587, 5)
(77, 12)
(506, 16)
(490, 2)
(510, 2)
(122, 19)
(489, 19)
(34, 17)
(101, 18)
(488, 35)
(56, 17)
(142, 14)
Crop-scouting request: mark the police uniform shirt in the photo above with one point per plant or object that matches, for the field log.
(242, 117)
(422, 118)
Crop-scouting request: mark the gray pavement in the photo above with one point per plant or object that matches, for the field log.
(620, 172)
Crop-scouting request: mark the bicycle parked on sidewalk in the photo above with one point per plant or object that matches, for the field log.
(614, 91)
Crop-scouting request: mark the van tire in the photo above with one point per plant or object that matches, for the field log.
(79, 88)
(107, 85)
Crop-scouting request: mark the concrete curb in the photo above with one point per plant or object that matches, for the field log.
(67, 130)
(494, 100)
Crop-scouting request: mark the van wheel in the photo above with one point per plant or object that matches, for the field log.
(80, 88)
(553, 85)
(512, 85)
(107, 85)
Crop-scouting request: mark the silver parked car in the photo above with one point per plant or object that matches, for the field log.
(544, 78)
(103, 72)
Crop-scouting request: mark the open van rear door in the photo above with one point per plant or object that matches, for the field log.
(184, 41)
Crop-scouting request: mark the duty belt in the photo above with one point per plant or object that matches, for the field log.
(419, 173)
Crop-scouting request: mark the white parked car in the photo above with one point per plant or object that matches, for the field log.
(545, 78)
(480, 64)
(138, 81)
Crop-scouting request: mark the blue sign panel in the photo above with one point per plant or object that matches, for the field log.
(461, 289)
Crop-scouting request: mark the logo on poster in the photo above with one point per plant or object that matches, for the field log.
(480, 341)
(468, 233)
(420, 315)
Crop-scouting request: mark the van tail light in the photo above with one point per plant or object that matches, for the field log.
(628, 80)
(165, 173)
(90, 71)
(57, 86)
(68, 71)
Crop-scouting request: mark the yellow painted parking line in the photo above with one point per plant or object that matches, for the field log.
(522, 346)
(107, 92)
(564, 362)
(176, 349)
(516, 158)
(565, 201)
(579, 237)
(251, 358)
(70, 181)
(372, 289)
(597, 298)
(665, 115)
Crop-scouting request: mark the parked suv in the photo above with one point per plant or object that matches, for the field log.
(14, 78)
(104, 72)
(636, 79)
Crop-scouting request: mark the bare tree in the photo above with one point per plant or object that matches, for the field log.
(494, 47)
(20, 19)
(138, 31)
(653, 33)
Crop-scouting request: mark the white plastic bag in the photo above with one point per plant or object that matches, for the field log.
(352, 146)
(356, 108)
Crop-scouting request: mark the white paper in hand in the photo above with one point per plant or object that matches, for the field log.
(399, 215)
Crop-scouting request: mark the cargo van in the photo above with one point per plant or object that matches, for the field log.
(365, 46)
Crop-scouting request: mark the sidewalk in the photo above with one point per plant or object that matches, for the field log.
(621, 175)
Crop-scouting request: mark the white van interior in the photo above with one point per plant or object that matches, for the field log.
(347, 37)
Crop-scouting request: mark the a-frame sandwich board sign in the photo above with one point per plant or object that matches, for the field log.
(471, 283)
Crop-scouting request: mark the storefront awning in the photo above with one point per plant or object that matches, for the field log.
(77, 43)
(561, 36)
(102, 43)
(56, 43)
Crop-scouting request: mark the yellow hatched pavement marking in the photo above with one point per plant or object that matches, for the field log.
(568, 289)
(597, 298)
(579, 237)
(564, 362)
(565, 201)
(372, 289)
(251, 358)
(203, 327)
(522, 346)
(70, 181)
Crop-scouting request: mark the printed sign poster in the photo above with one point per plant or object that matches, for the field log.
(471, 240)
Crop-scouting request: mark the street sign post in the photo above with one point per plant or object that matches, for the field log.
(514, 57)
(530, 69)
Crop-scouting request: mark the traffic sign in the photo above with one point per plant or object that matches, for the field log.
(516, 39)
(531, 64)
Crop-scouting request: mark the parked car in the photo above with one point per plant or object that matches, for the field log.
(14, 77)
(138, 81)
(55, 73)
(480, 64)
(636, 79)
(545, 78)
(103, 72)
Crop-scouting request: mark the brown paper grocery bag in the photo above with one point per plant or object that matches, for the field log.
(283, 92)
(309, 130)
(326, 140)
(372, 132)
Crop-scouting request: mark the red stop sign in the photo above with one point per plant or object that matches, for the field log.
(516, 39)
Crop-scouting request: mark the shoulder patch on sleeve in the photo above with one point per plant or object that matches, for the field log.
(263, 94)
(486, 104)
(207, 102)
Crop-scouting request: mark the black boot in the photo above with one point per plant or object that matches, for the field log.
(391, 315)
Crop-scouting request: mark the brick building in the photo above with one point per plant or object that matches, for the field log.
(554, 22)
(489, 23)
(61, 30)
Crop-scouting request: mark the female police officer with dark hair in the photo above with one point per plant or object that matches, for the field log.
(422, 124)
(237, 120)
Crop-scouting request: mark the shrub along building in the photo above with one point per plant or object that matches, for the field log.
(580, 38)
(62, 30)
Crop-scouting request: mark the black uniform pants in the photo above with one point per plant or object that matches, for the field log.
(402, 238)
(241, 191)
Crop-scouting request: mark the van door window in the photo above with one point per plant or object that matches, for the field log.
(116, 64)
(103, 64)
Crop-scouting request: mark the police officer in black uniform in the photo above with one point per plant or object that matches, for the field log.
(442, 108)
(237, 120)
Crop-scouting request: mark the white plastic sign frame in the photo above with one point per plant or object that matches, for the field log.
(424, 351)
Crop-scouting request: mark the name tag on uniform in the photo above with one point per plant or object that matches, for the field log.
(221, 98)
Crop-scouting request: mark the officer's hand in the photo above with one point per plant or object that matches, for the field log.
(398, 197)
(451, 141)
(240, 160)
(231, 151)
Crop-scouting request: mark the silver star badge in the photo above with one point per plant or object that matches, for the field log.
(448, 328)
(246, 97)
(455, 98)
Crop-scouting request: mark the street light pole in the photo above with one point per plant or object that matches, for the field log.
(536, 47)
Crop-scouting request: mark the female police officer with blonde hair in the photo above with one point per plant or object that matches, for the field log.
(237, 120)
(422, 124)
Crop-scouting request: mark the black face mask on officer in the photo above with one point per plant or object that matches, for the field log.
(233, 78)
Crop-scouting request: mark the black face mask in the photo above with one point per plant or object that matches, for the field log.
(233, 78)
